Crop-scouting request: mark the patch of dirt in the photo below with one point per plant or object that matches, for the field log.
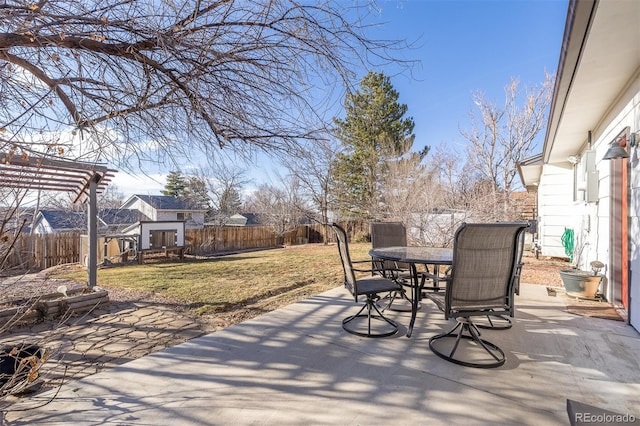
(543, 271)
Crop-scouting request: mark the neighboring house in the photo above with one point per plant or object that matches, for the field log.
(595, 107)
(16, 220)
(238, 219)
(159, 208)
(109, 221)
(56, 221)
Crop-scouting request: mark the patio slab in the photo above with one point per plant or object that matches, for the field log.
(296, 365)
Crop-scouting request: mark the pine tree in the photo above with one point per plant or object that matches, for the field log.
(176, 184)
(230, 202)
(372, 132)
(196, 193)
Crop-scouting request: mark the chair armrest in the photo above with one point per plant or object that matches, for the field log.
(438, 299)
(376, 270)
(446, 275)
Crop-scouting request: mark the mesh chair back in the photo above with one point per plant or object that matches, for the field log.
(519, 264)
(389, 234)
(343, 248)
(485, 261)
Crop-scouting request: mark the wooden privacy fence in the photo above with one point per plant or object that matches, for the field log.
(219, 240)
(39, 252)
(43, 251)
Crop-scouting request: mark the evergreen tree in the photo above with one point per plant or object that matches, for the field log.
(230, 202)
(196, 193)
(176, 184)
(372, 133)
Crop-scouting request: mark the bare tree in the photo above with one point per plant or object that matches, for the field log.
(111, 198)
(224, 185)
(139, 80)
(418, 191)
(407, 187)
(313, 167)
(280, 207)
(503, 136)
(12, 222)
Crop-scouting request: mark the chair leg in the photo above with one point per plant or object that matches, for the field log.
(373, 313)
(398, 295)
(499, 322)
(467, 330)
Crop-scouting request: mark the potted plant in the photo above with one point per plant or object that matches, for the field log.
(577, 282)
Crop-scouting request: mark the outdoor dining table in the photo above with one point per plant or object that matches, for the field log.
(415, 255)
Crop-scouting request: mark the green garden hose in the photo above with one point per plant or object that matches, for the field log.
(568, 242)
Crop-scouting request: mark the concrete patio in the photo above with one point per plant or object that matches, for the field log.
(296, 365)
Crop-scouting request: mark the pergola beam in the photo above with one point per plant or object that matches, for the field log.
(85, 180)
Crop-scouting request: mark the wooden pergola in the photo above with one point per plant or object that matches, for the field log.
(85, 180)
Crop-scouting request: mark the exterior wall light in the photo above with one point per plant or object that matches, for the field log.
(617, 148)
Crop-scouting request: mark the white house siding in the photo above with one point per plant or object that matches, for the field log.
(166, 215)
(555, 207)
(137, 204)
(152, 214)
(596, 98)
(42, 227)
(195, 222)
(634, 241)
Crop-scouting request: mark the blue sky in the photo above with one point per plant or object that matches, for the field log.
(466, 46)
(463, 47)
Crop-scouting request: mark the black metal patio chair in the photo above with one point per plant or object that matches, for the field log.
(392, 234)
(389, 234)
(370, 286)
(480, 283)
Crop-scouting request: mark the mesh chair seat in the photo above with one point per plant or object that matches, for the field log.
(375, 285)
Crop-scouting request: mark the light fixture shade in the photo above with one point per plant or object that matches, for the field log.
(616, 151)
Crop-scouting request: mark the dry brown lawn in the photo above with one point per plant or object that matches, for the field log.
(234, 288)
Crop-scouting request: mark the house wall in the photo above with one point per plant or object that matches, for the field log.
(41, 226)
(195, 221)
(555, 207)
(625, 113)
(137, 204)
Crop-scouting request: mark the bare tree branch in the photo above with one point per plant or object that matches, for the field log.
(152, 80)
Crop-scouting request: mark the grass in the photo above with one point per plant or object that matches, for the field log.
(277, 277)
